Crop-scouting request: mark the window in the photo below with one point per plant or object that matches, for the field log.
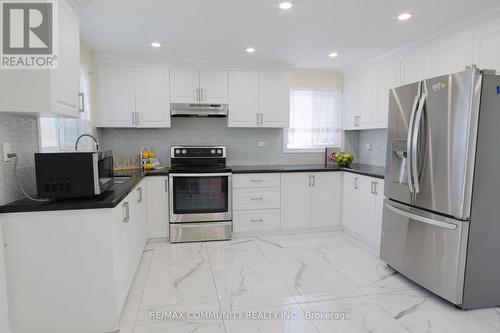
(314, 121)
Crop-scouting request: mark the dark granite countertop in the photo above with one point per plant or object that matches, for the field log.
(118, 192)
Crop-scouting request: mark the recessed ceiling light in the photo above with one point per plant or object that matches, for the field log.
(286, 5)
(250, 50)
(333, 54)
(404, 16)
(155, 44)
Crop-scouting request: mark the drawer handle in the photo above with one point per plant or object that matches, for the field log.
(256, 180)
(257, 220)
(256, 198)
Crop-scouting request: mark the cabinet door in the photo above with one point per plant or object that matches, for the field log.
(351, 103)
(274, 99)
(152, 97)
(366, 96)
(450, 56)
(295, 200)
(65, 83)
(184, 85)
(140, 221)
(326, 198)
(387, 77)
(157, 207)
(377, 217)
(487, 46)
(213, 85)
(366, 208)
(116, 97)
(350, 206)
(412, 70)
(243, 98)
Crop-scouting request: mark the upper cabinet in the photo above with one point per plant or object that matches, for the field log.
(259, 99)
(48, 92)
(133, 97)
(208, 86)
(487, 46)
(450, 56)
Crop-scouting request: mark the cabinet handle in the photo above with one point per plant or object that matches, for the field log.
(309, 181)
(256, 180)
(256, 198)
(258, 118)
(139, 189)
(355, 183)
(374, 187)
(197, 94)
(314, 180)
(126, 217)
(166, 185)
(137, 118)
(261, 118)
(82, 101)
(133, 118)
(201, 94)
(257, 220)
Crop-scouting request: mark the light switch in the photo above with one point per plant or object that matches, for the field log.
(261, 144)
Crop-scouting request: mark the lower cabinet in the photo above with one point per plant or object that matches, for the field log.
(157, 217)
(362, 207)
(256, 202)
(310, 199)
(72, 269)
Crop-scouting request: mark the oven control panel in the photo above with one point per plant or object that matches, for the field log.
(198, 151)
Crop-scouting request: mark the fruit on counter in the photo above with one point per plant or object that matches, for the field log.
(148, 154)
(148, 166)
(344, 160)
(152, 155)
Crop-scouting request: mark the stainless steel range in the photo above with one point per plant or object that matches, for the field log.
(200, 194)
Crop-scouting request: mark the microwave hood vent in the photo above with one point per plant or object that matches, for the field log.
(198, 110)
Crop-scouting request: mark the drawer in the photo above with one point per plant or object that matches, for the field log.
(256, 198)
(253, 180)
(256, 220)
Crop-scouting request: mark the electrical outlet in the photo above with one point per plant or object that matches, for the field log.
(261, 144)
(6, 150)
(368, 146)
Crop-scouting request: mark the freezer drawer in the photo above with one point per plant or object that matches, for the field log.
(427, 248)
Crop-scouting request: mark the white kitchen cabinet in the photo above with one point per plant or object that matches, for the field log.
(133, 97)
(198, 86)
(450, 56)
(387, 77)
(84, 260)
(326, 198)
(116, 97)
(412, 69)
(360, 107)
(274, 99)
(50, 92)
(243, 99)
(366, 96)
(157, 206)
(362, 207)
(256, 220)
(152, 102)
(350, 103)
(310, 199)
(259, 99)
(256, 198)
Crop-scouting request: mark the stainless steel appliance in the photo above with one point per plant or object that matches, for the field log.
(198, 110)
(73, 174)
(441, 224)
(200, 194)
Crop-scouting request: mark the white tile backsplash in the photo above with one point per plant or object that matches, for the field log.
(376, 138)
(22, 133)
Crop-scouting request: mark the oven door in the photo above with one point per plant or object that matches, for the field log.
(200, 197)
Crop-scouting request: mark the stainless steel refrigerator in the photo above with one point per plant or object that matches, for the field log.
(441, 219)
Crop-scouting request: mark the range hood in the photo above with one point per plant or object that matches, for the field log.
(198, 110)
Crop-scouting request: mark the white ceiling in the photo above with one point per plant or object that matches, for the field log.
(219, 30)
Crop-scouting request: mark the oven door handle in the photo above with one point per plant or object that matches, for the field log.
(228, 174)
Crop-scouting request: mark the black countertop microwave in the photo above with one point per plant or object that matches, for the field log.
(73, 174)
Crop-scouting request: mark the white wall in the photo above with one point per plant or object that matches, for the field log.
(4, 318)
(316, 79)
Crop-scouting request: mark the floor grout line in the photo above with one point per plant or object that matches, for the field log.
(215, 285)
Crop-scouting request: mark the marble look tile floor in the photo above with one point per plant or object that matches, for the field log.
(296, 283)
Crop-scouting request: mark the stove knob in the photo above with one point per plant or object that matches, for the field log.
(212, 151)
(184, 151)
(219, 151)
(177, 151)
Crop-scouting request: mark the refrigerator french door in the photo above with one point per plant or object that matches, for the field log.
(431, 145)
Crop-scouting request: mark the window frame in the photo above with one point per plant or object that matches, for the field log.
(287, 150)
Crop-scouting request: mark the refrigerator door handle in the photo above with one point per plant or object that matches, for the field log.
(414, 145)
(422, 219)
(409, 139)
